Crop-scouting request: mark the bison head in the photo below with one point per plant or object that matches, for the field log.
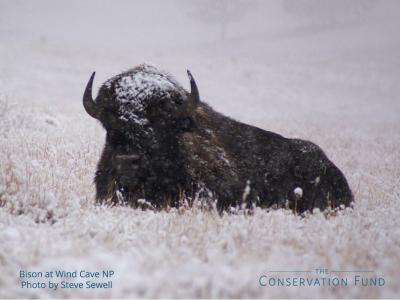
(137, 100)
(142, 111)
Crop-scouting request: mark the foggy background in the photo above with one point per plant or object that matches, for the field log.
(239, 51)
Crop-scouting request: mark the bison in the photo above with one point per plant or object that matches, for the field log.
(164, 147)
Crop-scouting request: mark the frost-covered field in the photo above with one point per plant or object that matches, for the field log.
(331, 80)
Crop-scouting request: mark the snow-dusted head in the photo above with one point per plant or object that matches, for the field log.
(144, 111)
(138, 100)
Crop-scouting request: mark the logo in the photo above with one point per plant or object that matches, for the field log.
(321, 277)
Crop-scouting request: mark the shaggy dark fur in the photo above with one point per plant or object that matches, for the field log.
(165, 145)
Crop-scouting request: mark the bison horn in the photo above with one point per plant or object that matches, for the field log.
(194, 92)
(88, 103)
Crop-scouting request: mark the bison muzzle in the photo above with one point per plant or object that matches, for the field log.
(165, 147)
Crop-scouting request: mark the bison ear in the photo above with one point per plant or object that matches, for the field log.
(194, 92)
(88, 102)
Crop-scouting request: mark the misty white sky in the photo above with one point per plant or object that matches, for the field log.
(267, 45)
(136, 25)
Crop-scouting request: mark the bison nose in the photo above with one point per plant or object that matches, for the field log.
(123, 161)
(129, 181)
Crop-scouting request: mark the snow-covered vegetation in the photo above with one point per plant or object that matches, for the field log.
(335, 83)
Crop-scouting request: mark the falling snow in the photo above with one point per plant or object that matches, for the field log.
(335, 84)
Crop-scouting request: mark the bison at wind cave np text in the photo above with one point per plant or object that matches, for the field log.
(165, 147)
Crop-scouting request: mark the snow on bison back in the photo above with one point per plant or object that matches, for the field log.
(164, 145)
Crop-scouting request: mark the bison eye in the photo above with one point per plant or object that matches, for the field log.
(126, 159)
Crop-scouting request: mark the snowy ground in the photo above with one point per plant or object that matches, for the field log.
(335, 83)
